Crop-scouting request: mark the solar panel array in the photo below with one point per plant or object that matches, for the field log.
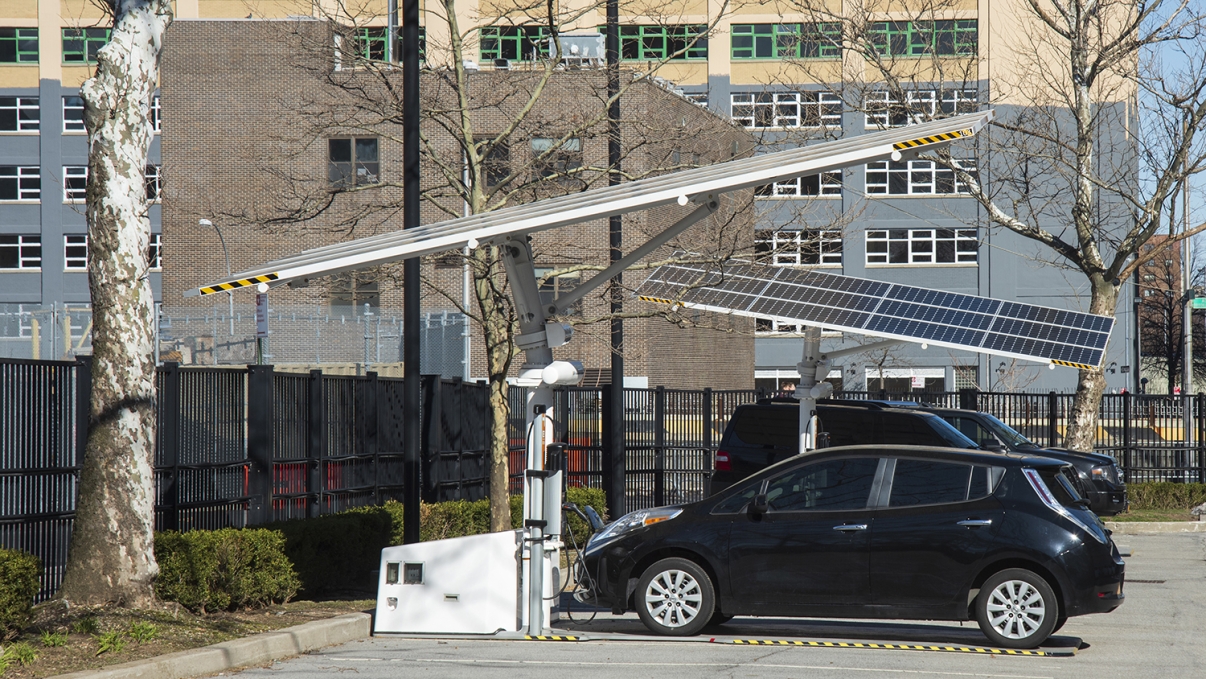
(889, 310)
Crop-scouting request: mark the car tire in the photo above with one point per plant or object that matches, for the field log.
(675, 597)
(1016, 608)
(718, 619)
(1059, 623)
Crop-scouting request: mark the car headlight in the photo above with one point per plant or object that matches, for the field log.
(1104, 473)
(634, 520)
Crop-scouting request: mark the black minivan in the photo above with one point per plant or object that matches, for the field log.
(868, 532)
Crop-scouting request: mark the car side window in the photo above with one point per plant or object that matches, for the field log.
(833, 484)
(926, 482)
(974, 431)
(772, 426)
(907, 430)
(734, 503)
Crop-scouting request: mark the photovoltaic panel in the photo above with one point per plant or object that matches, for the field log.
(890, 310)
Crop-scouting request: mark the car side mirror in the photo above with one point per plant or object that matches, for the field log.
(994, 446)
(759, 505)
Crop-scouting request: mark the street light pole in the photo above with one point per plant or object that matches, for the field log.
(229, 294)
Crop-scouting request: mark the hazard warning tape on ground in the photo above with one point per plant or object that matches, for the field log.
(897, 647)
(528, 637)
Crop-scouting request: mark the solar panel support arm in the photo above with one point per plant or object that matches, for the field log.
(874, 346)
(710, 204)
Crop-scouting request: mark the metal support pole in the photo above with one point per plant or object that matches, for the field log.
(410, 294)
(615, 405)
(805, 394)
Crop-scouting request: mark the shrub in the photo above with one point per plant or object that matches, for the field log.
(224, 569)
(337, 551)
(21, 653)
(1163, 495)
(19, 585)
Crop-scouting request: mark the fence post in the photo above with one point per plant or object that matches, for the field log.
(316, 445)
(261, 420)
(431, 441)
(83, 407)
(1127, 435)
(1052, 414)
(1199, 402)
(659, 446)
(371, 414)
(169, 444)
(968, 399)
(613, 469)
(707, 440)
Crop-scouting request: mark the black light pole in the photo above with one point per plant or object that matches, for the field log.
(615, 453)
(410, 272)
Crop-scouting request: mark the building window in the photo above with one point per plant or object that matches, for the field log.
(561, 161)
(661, 43)
(922, 246)
(553, 287)
(810, 108)
(352, 291)
(923, 38)
(787, 41)
(156, 114)
(800, 247)
(20, 183)
(73, 114)
(154, 178)
(18, 45)
(75, 182)
(371, 43)
(75, 253)
(824, 184)
(515, 43)
(497, 164)
(80, 45)
(155, 252)
(916, 177)
(884, 109)
(19, 114)
(20, 252)
(353, 162)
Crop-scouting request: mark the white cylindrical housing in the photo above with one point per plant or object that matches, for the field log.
(563, 373)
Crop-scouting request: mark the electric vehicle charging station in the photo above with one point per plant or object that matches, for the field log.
(506, 581)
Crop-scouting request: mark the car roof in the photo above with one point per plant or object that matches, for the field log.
(834, 403)
(966, 455)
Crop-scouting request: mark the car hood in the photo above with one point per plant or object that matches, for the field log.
(1072, 456)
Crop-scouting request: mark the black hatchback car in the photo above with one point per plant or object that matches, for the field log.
(868, 532)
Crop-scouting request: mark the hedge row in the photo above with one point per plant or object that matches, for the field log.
(19, 585)
(216, 570)
(1166, 495)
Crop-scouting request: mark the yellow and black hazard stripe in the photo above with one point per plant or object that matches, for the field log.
(932, 139)
(657, 300)
(1069, 364)
(554, 637)
(897, 647)
(246, 282)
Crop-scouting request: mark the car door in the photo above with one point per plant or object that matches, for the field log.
(811, 547)
(938, 522)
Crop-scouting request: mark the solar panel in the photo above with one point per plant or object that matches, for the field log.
(889, 310)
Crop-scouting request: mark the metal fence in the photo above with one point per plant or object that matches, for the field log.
(236, 447)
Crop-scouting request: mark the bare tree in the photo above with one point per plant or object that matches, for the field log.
(1161, 313)
(1096, 135)
(112, 557)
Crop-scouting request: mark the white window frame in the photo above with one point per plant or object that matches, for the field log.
(73, 125)
(155, 252)
(830, 187)
(156, 114)
(25, 104)
(921, 246)
(25, 194)
(25, 262)
(921, 177)
(812, 109)
(792, 247)
(75, 262)
(918, 106)
(154, 181)
(72, 194)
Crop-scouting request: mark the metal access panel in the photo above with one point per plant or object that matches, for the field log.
(467, 585)
(891, 310)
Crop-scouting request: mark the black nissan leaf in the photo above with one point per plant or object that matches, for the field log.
(905, 532)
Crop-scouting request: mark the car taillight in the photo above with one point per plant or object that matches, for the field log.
(722, 463)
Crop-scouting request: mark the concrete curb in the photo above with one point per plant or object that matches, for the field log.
(1146, 527)
(253, 650)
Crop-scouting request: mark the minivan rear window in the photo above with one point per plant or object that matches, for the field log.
(768, 426)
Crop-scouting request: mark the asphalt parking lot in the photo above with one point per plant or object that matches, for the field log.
(1159, 632)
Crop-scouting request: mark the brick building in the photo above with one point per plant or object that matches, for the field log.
(266, 120)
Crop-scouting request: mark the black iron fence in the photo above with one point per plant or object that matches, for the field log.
(236, 447)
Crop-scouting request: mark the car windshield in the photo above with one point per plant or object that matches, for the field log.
(952, 436)
(1012, 438)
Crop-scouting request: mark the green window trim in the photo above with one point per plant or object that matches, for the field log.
(18, 45)
(514, 43)
(662, 43)
(786, 41)
(947, 38)
(372, 40)
(80, 45)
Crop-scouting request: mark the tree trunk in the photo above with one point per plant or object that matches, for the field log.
(111, 559)
(500, 457)
(1082, 421)
(490, 290)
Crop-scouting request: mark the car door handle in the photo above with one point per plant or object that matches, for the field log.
(851, 527)
(976, 523)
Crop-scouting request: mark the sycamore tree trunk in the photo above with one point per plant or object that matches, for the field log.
(111, 558)
(1082, 421)
(489, 292)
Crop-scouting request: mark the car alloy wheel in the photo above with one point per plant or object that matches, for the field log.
(675, 597)
(1017, 609)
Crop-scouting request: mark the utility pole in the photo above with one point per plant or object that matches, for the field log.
(614, 455)
(410, 271)
(1187, 295)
